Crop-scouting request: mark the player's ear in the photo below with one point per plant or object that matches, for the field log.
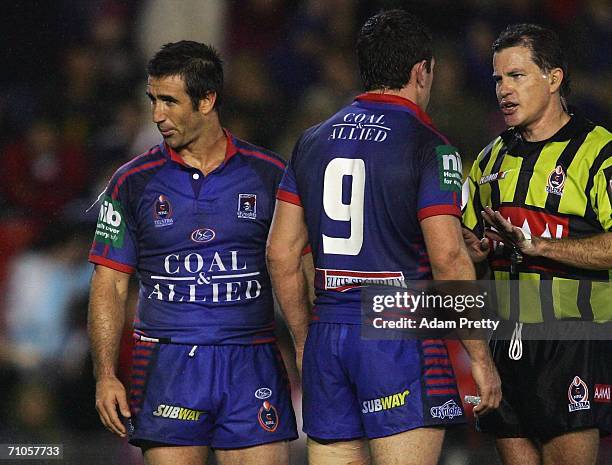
(207, 104)
(421, 71)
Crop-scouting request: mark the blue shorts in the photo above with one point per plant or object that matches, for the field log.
(355, 387)
(224, 396)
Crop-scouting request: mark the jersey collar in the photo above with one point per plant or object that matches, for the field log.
(230, 150)
(577, 125)
(396, 100)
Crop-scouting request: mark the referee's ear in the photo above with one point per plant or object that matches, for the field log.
(555, 78)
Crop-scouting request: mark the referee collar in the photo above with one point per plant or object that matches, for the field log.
(577, 125)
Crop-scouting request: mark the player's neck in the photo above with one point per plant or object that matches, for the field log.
(407, 92)
(207, 151)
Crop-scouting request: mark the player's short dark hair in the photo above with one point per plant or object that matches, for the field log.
(388, 46)
(199, 65)
(545, 46)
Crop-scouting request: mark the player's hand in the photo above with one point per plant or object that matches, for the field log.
(508, 233)
(477, 248)
(489, 386)
(110, 394)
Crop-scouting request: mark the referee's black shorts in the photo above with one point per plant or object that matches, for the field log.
(556, 387)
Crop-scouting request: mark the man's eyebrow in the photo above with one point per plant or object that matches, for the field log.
(167, 98)
(164, 97)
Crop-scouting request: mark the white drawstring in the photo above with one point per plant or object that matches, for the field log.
(515, 350)
(193, 351)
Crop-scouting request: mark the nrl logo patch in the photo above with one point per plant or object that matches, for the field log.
(162, 212)
(268, 417)
(247, 206)
(556, 181)
(578, 395)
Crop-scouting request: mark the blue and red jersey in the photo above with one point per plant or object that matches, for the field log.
(366, 177)
(197, 243)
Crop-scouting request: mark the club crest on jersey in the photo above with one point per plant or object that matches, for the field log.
(162, 212)
(556, 181)
(268, 417)
(201, 235)
(578, 395)
(247, 206)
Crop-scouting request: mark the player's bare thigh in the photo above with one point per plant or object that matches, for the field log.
(518, 451)
(355, 452)
(575, 448)
(275, 453)
(172, 455)
(419, 446)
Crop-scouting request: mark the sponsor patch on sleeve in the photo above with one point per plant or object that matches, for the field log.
(450, 169)
(110, 228)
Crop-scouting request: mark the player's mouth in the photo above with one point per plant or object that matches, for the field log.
(508, 108)
(166, 132)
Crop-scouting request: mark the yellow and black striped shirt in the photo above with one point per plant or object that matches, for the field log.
(557, 188)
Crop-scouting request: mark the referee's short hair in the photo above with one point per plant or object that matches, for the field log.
(545, 46)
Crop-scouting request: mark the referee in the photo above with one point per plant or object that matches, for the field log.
(545, 184)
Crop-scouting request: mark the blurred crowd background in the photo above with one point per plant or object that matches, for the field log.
(73, 109)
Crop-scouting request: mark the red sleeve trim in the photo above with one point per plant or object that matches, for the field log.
(436, 210)
(290, 197)
(111, 264)
(307, 250)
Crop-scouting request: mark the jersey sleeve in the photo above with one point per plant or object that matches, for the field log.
(440, 182)
(288, 189)
(603, 195)
(470, 201)
(113, 245)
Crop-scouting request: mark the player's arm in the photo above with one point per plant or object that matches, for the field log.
(450, 260)
(107, 302)
(593, 252)
(287, 239)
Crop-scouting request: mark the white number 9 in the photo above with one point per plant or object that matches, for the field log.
(338, 211)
